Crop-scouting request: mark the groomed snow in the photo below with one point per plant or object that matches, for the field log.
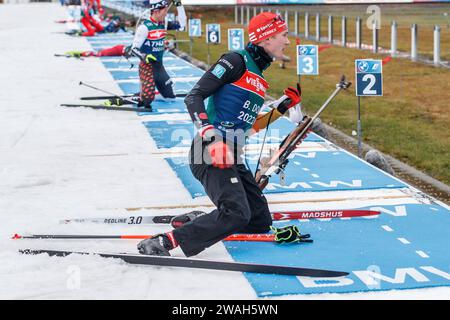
(58, 163)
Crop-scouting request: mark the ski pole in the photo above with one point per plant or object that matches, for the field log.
(107, 92)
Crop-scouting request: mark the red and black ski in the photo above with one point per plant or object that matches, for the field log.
(277, 215)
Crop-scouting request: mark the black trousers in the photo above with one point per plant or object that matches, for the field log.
(162, 80)
(241, 207)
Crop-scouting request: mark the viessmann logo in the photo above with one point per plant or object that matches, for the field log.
(254, 83)
(156, 34)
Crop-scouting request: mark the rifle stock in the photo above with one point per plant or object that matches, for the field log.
(280, 158)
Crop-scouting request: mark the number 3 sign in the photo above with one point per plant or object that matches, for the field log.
(307, 60)
(369, 77)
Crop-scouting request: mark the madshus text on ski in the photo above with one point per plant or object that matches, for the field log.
(235, 91)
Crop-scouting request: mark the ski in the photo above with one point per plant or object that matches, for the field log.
(109, 97)
(126, 107)
(259, 237)
(67, 56)
(278, 215)
(200, 264)
(178, 95)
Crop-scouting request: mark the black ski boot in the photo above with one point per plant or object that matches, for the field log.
(181, 219)
(158, 245)
(144, 103)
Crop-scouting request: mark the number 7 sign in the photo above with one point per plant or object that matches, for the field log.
(195, 28)
(369, 77)
(307, 60)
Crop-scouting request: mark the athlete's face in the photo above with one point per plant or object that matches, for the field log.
(276, 45)
(160, 15)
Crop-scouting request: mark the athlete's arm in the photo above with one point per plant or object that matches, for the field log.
(264, 119)
(140, 36)
(228, 69)
(180, 24)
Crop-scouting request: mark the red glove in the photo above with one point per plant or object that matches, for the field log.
(221, 156)
(295, 97)
(294, 94)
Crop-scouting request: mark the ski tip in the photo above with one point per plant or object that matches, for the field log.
(16, 236)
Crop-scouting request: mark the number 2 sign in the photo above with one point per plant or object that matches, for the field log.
(307, 60)
(369, 77)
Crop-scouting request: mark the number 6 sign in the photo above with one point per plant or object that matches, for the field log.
(369, 77)
(213, 33)
(307, 60)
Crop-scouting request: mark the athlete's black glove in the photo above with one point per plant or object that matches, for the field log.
(289, 234)
(127, 52)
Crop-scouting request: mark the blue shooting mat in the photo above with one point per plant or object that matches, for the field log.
(174, 71)
(133, 87)
(385, 253)
(118, 63)
(160, 106)
(169, 134)
(307, 172)
(113, 37)
(327, 171)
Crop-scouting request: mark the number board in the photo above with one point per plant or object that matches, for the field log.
(195, 28)
(235, 39)
(307, 60)
(213, 33)
(369, 77)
